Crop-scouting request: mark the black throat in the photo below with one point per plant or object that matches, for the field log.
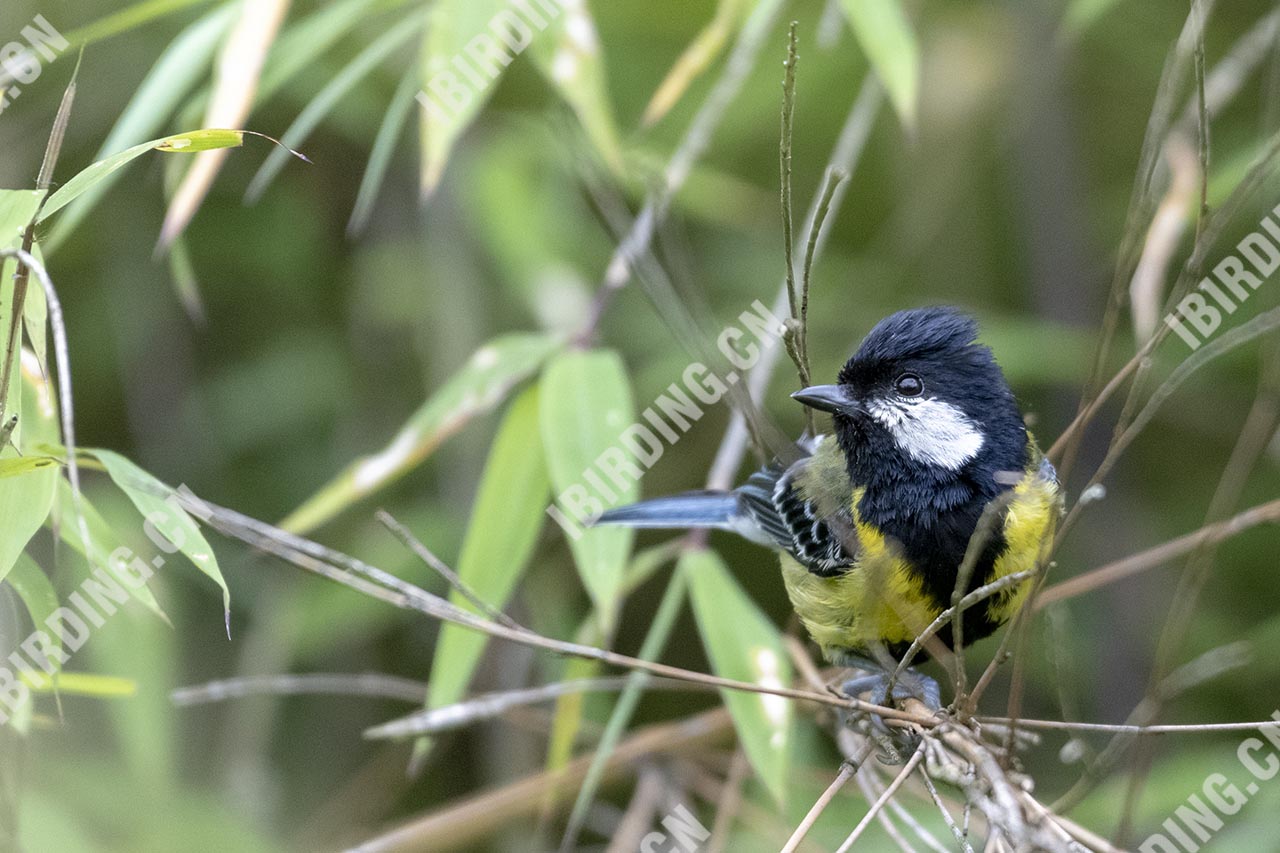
(931, 514)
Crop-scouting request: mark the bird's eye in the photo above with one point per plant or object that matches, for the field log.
(909, 385)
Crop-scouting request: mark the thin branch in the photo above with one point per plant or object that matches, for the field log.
(784, 168)
(384, 586)
(1106, 728)
(53, 149)
(425, 554)
(1268, 513)
(729, 802)
(844, 159)
(372, 685)
(62, 358)
(980, 594)
(961, 835)
(879, 804)
(492, 705)
(847, 771)
(635, 245)
(474, 817)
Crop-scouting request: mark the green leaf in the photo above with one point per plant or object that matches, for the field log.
(25, 501)
(297, 49)
(82, 684)
(187, 143)
(508, 514)
(128, 19)
(1082, 14)
(884, 32)
(451, 100)
(696, 58)
(182, 64)
(483, 383)
(108, 552)
(39, 597)
(566, 720)
(17, 209)
(41, 431)
(328, 97)
(569, 55)
(18, 465)
(150, 496)
(384, 146)
(586, 406)
(744, 645)
(201, 140)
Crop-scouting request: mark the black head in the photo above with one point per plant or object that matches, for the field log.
(924, 412)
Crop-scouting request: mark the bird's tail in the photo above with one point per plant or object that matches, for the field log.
(717, 510)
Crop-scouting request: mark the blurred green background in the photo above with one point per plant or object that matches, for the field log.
(1008, 197)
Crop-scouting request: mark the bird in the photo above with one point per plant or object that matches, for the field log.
(874, 519)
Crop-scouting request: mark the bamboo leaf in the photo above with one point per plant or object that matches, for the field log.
(298, 49)
(328, 97)
(182, 64)
(885, 35)
(39, 597)
(150, 497)
(483, 383)
(1082, 14)
(695, 59)
(569, 55)
(586, 405)
(41, 428)
(238, 70)
(107, 551)
(129, 18)
(18, 465)
(744, 645)
(82, 684)
(17, 209)
(508, 514)
(451, 100)
(384, 146)
(186, 143)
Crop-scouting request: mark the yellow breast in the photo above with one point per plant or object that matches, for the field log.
(881, 600)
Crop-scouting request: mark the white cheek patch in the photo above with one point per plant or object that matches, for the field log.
(930, 431)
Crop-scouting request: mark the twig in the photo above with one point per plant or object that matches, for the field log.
(62, 358)
(871, 789)
(784, 167)
(980, 594)
(1197, 9)
(1268, 513)
(992, 515)
(463, 824)
(844, 159)
(729, 802)
(1195, 728)
(441, 568)
(369, 684)
(847, 771)
(738, 67)
(53, 149)
(830, 183)
(879, 804)
(491, 705)
(961, 835)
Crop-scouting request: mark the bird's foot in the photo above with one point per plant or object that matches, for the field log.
(910, 684)
(896, 742)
